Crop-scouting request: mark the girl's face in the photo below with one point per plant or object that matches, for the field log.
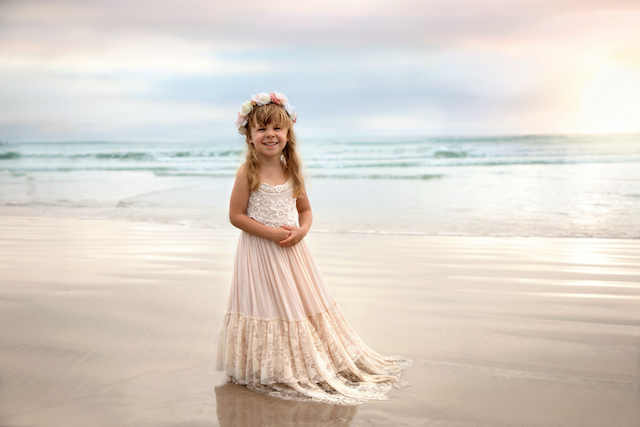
(269, 139)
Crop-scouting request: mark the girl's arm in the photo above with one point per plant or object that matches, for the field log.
(305, 218)
(238, 217)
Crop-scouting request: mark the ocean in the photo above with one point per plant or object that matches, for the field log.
(536, 185)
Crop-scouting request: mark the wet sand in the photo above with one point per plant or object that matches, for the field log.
(109, 323)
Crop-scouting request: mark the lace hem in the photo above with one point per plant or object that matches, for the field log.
(317, 359)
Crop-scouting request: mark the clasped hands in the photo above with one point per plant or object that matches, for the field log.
(287, 236)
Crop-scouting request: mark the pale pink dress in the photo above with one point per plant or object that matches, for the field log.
(283, 333)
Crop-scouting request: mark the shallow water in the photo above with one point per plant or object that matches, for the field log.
(569, 186)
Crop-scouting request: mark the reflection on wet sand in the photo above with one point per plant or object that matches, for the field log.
(240, 407)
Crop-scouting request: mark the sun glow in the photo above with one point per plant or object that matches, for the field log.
(611, 101)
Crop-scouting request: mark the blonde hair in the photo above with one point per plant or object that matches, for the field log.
(262, 116)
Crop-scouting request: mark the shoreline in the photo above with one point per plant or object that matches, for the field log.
(107, 322)
(224, 225)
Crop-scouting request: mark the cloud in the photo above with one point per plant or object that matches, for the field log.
(161, 69)
(294, 23)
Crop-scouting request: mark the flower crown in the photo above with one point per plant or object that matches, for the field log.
(260, 100)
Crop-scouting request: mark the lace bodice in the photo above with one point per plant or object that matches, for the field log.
(273, 205)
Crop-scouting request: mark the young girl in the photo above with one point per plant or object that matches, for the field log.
(283, 333)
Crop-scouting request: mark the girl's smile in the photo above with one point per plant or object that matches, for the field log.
(269, 140)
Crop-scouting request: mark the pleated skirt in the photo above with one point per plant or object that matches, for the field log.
(284, 335)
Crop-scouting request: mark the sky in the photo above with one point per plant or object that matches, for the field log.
(178, 70)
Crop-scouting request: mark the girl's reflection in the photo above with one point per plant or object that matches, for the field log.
(240, 407)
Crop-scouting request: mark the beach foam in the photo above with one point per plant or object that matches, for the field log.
(554, 185)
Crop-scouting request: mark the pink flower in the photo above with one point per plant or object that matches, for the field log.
(274, 99)
(281, 99)
(241, 124)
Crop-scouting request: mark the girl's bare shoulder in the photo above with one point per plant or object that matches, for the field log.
(242, 179)
(242, 171)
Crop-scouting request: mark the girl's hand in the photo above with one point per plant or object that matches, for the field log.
(295, 235)
(280, 234)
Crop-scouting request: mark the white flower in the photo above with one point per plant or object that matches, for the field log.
(262, 99)
(291, 111)
(246, 108)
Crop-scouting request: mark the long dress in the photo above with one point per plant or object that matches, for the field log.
(283, 333)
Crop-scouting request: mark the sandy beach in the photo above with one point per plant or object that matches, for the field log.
(113, 323)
